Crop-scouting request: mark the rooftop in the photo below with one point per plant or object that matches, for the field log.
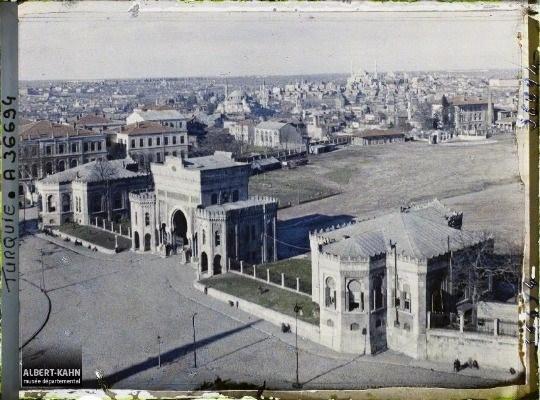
(160, 114)
(236, 205)
(146, 128)
(218, 160)
(420, 232)
(271, 125)
(462, 101)
(93, 119)
(94, 171)
(47, 129)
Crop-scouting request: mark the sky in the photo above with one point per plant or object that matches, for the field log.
(104, 41)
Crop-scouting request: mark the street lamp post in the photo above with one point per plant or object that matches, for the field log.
(297, 308)
(159, 351)
(42, 270)
(194, 341)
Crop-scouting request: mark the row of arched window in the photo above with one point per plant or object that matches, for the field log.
(355, 299)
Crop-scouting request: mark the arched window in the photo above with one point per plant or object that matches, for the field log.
(224, 197)
(51, 203)
(330, 323)
(355, 327)
(61, 165)
(355, 296)
(217, 238)
(73, 163)
(48, 168)
(117, 201)
(235, 195)
(214, 198)
(147, 219)
(330, 293)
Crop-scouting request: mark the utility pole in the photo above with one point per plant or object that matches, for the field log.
(394, 246)
(194, 341)
(42, 270)
(297, 308)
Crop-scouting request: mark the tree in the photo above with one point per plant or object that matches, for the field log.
(104, 171)
(474, 267)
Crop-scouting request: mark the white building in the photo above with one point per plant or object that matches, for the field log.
(276, 134)
(169, 118)
(148, 142)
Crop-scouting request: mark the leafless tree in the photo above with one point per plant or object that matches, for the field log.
(474, 266)
(104, 172)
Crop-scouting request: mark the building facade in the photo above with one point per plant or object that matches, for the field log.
(473, 117)
(47, 148)
(148, 142)
(377, 281)
(96, 189)
(200, 209)
(280, 135)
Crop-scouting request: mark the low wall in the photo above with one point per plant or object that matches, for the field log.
(83, 242)
(305, 330)
(446, 345)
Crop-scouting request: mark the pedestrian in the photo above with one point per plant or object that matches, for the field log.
(475, 364)
(457, 365)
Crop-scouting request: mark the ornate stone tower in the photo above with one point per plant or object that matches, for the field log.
(143, 221)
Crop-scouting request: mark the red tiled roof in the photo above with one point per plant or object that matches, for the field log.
(93, 119)
(48, 129)
(146, 128)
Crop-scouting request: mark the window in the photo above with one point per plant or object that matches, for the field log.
(203, 237)
(330, 323)
(235, 195)
(252, 232)
(174, 153)
(378, 323)
(406, 298)
(48, 168)
(181, 140)
(34, 171)
(73, 163)
(354, 293)
(48, 150)
(166, 140)
(135, 218)
(99, 146)
(141, 143)
(174, 139)
(96, 203)
(117, 201)
(158, 141)
(147, 219)
(158, 157)
(92, 146)
(61, 165)
(51, 203)
(217, 238)
(132, 143)
(355, 327)
(224, 197)
(213, 199)
(378, 292)
(73, 147)
(330, 292)
(60, 149)
(149, 142)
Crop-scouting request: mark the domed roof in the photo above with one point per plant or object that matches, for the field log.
(237, 94)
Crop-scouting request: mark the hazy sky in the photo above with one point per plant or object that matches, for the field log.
(104, 41)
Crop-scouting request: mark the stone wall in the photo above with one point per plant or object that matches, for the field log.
(446, 345)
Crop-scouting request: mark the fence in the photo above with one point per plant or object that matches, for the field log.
(119, 228)
(495, 327)
(264, 274)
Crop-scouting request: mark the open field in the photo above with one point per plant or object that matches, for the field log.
(271, 297)
(479, 179)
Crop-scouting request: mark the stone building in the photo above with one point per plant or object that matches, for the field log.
(200, 209)
(243, 131)
(166, 117)
(473, 117)
(277, 134)
(235, 103)
(47, 147)
(377, 136)
(96, 189)
(148, 142)
(377, 280)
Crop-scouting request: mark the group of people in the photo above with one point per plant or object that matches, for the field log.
(470, 363)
